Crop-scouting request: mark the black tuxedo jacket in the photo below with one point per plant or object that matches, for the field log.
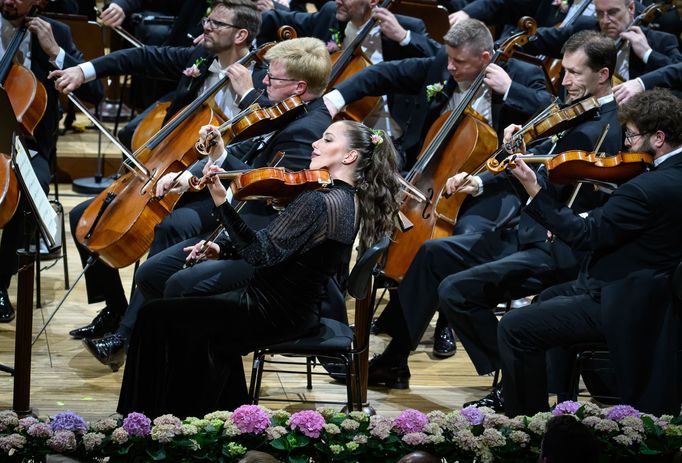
(549, 40)
(45, 133)
(633, 242)
(668, 77)
(508, 12)
(324, 23)
(411, 76)
(167, 63)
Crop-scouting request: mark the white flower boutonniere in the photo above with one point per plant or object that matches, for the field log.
(434, 89)
(193, 71)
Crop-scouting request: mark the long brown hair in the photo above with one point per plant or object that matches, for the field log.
(376, 181)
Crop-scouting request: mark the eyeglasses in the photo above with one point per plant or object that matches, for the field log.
(630, 136)
(613, 13)
(270, 76)
(215, 24)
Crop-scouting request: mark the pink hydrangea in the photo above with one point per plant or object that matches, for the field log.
(309, 422)
(410, 421)
(251, 418)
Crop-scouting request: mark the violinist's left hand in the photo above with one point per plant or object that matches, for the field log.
(240, 79)
(526, 176)
(216, 187)
(638, 41)
(497, 79)
(217, 149)
(389, 25)
(43, 32)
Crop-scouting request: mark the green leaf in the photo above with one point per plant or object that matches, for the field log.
(298, 459)
(158, 455)
(280, 443)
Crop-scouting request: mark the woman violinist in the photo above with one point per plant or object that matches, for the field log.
(48, 44)
(292, 260)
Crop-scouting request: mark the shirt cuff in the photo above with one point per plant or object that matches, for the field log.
(479, 183)
(406, 40)
(336, 99)
(645, 58)
(245, 95)
(88, 70)
(504, 98)
(641, 82)
(219, 162)
(59, 59)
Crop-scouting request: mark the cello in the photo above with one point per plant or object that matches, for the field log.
(28, 99)
(118, 226)
(457, 141)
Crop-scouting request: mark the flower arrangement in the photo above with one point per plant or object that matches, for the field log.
(193, 71)
(467, 435)
(434, 89)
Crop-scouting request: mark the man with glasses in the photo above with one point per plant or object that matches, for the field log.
(298, 67)
(643, 49)
(622, 296)
(196, 69)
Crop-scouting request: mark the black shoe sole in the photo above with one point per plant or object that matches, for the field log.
(444, 355)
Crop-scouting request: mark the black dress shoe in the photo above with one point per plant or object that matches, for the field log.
(109, 350)
(384, 373)
(444, 345)
(104, 323)
(6, 309)
(494, 400)
(376, 328)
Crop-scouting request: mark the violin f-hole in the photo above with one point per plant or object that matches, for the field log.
(427, 203)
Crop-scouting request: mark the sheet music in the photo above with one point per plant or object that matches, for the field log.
(47, 217)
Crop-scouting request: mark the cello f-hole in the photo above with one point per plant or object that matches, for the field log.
(426, 215)
(150, 179)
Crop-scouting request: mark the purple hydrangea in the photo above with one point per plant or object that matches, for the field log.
(567, 407)
(68, 421)
(251, 418)
(410, 421)
(619, 412)
(473, 415)
(40, 430)
(137, 424)
(62, 441)
(309, 422)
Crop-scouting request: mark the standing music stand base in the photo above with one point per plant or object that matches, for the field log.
(91, 185)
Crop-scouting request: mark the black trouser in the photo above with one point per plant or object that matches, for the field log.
(13, 234)
(191, 217)
(524, 337)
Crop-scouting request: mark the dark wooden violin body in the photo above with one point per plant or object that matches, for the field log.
(570, 166)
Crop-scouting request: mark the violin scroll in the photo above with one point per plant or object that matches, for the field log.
(286, 33)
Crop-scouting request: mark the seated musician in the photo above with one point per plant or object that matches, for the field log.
(296, 67)
(644, 49)
(467, 275)
(222, 47)
(47, 46)
(669, 76)
(395, 37)
(292, 259)
(622, 292)
(513, 91)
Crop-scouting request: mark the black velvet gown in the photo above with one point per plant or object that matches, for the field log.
(185, 353)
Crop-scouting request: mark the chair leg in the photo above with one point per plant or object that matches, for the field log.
(39, 304)
(575, 376)
(259, 377)
(132, 286)
(309, 373)
(254, 373)
(352, 382)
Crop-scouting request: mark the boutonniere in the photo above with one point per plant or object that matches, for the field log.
(434, 89)
(334, 44)
(561, 5)
(193, 71)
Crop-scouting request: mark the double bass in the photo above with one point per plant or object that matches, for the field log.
(28, 99)
(118, 226)
(457, 141)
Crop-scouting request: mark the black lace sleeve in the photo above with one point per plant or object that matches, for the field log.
(299, 227)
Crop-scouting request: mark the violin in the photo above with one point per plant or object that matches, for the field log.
(570, 166)
(268, 183)
(254, 121)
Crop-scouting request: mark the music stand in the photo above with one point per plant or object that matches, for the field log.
(38, 211)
